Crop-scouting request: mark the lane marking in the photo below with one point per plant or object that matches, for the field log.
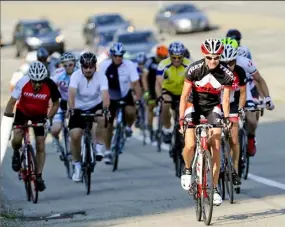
(253, 177)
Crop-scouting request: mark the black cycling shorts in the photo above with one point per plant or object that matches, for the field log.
(213, 116)
(175, 98)
(128, 99)
(22, 119)
(76, 121)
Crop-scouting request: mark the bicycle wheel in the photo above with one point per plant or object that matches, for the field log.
(67, 158)
(32, 171)
(221, 185)
(228, 174)
(194, 191)
(142, 123)
(86, 168)
(116, 151)
(23, 175)
(207, 188)
(246, 166)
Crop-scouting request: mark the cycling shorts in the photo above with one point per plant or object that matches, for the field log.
(76, 121)
(22, 119)
(174, 98)
(213, 116)
(128, 99)
(59, 116)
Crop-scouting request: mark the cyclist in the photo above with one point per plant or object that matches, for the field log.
(42, 56)
(149, 79)
(122, 75)
(62, 77)
(23, 70)
(33, 92)
(87, 91)
(205, 78)
(252, 74)
(229, 57)
(169, 83)
(54, 62)
(236, 34)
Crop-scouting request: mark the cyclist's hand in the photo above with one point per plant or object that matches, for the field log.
(159, 99)
(269, 103)
(227, 123)
(146, 95)
(181, 123)
(241, 113)
(106, 113)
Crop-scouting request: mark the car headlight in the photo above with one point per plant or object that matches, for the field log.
(33, 41)
(130, 28)
(59, 38)
(184, 23)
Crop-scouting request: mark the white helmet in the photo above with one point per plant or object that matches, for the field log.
(230, 53)
(24, 68)
(242, 51)
(212, 46)
(37, 71)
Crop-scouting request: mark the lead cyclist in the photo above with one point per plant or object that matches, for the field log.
(61, 77)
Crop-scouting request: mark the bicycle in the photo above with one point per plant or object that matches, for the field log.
(158, 132)
(244, 159)
(202, 191)
(226, 169)
(65, 155)
(119, 138)
(141, 120)
(28, 169)
(177, 144)
(88, 160)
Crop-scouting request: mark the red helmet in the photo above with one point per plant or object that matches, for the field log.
(162, 51)
(212, 46)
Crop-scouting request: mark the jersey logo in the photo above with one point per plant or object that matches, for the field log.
(227, 71)
(249, 63)
(35, 96)
(191, 69)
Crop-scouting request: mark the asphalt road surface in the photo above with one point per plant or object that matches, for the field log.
(144, 192)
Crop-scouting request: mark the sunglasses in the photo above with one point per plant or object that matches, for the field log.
(117, 56)
(213, 58)
(37, 82)
(88, 66)
(68, 66)
(176, 57)
(231, 63)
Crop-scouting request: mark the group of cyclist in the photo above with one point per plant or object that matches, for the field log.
(218, 86)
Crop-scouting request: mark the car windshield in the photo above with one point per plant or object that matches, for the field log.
(176, 9)
(141, 37)
(110, 19)
(35, 29)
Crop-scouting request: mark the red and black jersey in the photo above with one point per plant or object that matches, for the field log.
(31, 103)
(207, 84)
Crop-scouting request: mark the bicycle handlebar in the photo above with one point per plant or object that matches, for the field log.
(29, 125)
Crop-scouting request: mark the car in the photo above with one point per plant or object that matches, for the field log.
(181, 18)
(108, 22)
(30, 35)
(102, 40)
(144, 40)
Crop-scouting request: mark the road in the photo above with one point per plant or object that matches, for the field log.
(144, 192)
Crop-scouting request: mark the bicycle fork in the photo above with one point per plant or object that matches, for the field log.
(84, 154)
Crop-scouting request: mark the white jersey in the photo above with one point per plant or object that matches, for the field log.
(88, 94)
(119, 78)
(248, 66)
(61, 79)
(244, 51)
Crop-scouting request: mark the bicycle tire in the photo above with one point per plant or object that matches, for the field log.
(86, 168)
(241, 150)
(246, 167)
(228, 175)
(117, 148)
(194, 187)
(32, 170)
(207, 161)
(142, 123)
(67, 160)
(221, 185)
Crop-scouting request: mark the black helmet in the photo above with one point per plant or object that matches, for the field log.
(187, 53)
(235, 34)
(42, 53)
(88, 58)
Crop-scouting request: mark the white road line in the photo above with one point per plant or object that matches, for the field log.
(253, 177)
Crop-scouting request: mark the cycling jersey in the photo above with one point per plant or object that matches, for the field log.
(246, 50)
(88, 93)
(173, 76)
(207, 84)
(151, 67)
(31, 103)
(249, 68)
(119, 77)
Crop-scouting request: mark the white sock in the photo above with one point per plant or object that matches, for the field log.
(77, 164)
(108, 152)
(166, 130)
(98, 147)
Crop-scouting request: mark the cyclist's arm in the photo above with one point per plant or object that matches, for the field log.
(261, 84)
(135, 84)
(144, 80)
(55, 96)
(104, 88)
(226, 101)
(187, 88)
(10, 105)
(72, 90)
(242, 86)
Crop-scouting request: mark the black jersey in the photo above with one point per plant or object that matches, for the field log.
(240, 80)
(207, 84)
(151, 65)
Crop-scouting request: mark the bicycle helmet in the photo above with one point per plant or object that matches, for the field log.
(141, 57)
(162, 51)
(88, 58)
(67, 56)
(117, 49)
(242, 51)
(230, 41)
(42, 53)
(176, 48)
(212, 46)
(230, 53)
(187, 53)
(37, 71)
(235, 34)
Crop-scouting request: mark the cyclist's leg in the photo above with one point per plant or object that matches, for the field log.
(130, 113)
(166, 115)
(20, 119)
(150, 115)
(76, 126)
(188, 150)
(234, 140)
(40, 154)
(56, 128)
(214, 117)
